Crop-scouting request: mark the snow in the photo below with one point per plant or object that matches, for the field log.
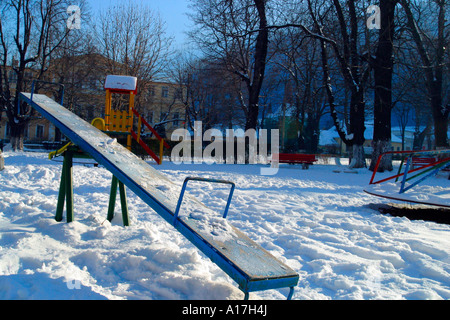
(425, 194)
(121, 82)
(318, 222)
(330, 136)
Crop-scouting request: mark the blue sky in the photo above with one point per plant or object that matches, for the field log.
(173, 12)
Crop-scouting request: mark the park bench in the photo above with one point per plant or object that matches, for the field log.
(422, 161)
(304, 159)
(425, 161)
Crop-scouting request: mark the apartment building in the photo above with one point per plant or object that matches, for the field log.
(163, 108)
(38, 128)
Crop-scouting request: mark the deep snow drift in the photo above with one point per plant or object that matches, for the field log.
(319, 222)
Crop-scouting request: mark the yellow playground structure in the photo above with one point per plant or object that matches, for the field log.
(121, 122)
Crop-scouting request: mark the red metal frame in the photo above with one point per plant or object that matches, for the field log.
(151, 128)
(401, 174)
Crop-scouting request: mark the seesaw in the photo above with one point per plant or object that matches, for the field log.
(245, 261)
(415, 168)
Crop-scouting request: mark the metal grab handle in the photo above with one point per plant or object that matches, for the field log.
(33, 84)
(180, 200)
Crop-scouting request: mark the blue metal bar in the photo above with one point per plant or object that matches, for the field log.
(32, 88)
(291, 293)
(33, 85)
(408, 164)
(432, 173)
(400, 169)
(289, 297)
(183, 190)
(62, 94)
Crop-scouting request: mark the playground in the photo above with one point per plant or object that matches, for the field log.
(320, 223)
(232, 234)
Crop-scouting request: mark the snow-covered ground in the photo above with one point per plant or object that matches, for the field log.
(319, 222)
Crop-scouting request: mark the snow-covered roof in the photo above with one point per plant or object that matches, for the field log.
(368, 134)
(121, 83)
(328, 137)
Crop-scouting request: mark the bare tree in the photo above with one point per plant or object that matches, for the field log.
(409, 91)
(208, 95)
(298, 58)
(30, 31)
(75, 66)
(383, 66)
(132, 37)
(189, 77)
(235, 33)
(432, 49)
(355, 74)
(344, 44)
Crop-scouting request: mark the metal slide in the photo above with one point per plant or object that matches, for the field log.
(246, 262)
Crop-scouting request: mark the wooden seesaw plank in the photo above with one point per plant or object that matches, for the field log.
(246, 262)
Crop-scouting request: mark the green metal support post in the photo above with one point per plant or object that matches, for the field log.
(65, 195)
(123, 201)
(66, 189)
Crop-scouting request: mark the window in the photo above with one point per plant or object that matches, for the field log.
(12, 76)
(176, 116)
(150, 117)
(165, 92)
(39, 131)
(178, 94)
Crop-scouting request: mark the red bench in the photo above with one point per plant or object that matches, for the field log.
(422, 161)
(304, 159)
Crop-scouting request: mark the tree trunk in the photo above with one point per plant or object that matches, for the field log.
(440, 115)
(440, 112)
(17, 126)
(386, 162)
(17, 136)
(419, 137)
(2, 162)
(261, 47)
(357, 119)
(358, 159)
(350, 63)
(383, 70)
